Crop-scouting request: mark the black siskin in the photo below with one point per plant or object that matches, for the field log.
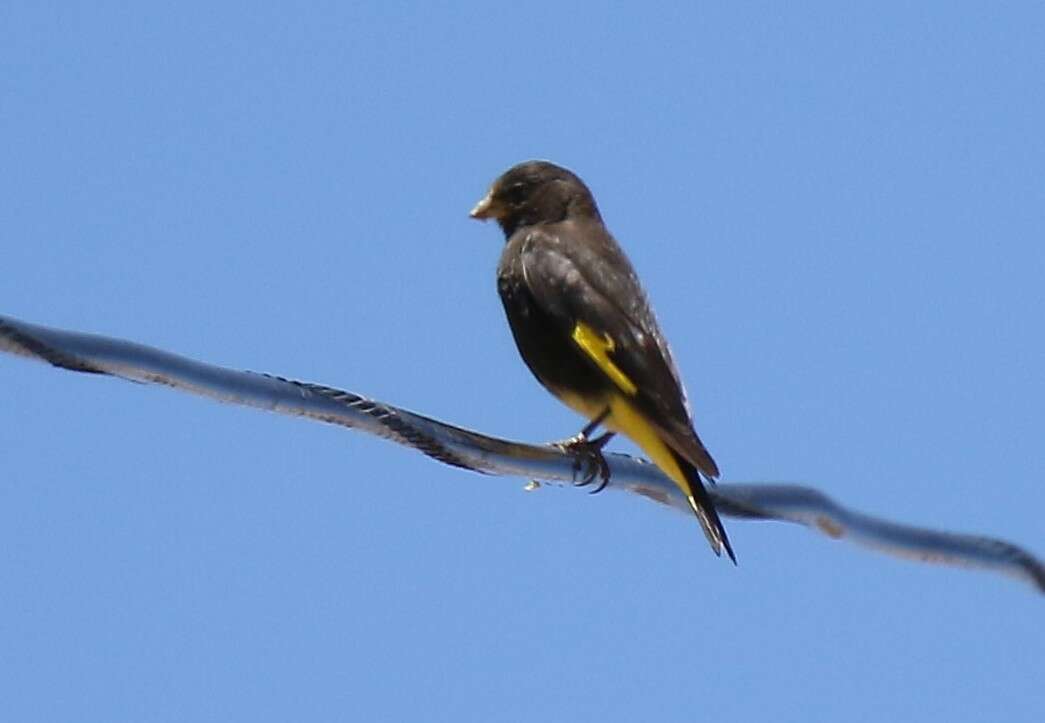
(585, 329)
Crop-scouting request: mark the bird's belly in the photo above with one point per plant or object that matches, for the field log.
(590, 405)
(550, 353)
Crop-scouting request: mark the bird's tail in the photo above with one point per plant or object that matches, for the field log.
(704, 508)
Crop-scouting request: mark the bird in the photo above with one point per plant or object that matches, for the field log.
(585, 328)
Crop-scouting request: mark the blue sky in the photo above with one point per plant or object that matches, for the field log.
(837, 212)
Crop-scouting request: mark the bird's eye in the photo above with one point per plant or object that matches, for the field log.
(516, 191)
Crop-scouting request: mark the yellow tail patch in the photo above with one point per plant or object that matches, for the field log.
(623, 417)
(627, 420)
(598, 346)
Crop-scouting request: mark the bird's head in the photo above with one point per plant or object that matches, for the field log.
(535, 192)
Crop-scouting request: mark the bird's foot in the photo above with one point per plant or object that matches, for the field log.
(588, 460)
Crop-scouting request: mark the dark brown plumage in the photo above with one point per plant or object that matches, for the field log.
(585, 329)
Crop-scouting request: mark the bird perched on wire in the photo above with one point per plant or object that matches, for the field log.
(585, 329)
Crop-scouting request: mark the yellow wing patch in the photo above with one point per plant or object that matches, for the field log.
(598, 346)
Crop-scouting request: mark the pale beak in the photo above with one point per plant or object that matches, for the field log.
(484, 209)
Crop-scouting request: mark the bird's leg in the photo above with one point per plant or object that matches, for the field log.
(594, 424)
(589, 451)
(580, 440)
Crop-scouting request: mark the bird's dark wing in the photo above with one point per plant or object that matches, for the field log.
(579, 276)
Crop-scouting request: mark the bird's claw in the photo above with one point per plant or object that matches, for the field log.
(588, 458)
